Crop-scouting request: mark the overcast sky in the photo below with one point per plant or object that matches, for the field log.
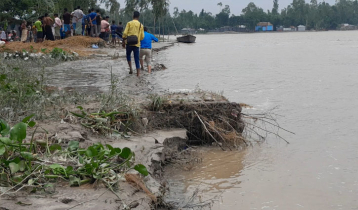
(235, 5)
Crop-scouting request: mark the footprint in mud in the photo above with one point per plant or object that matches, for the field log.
(159, 67)
(66, 200)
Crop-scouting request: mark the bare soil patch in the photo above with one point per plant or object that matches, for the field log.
(78, 44)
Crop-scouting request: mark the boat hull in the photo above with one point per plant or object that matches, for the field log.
(187, 39)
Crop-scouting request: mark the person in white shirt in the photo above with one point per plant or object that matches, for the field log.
(77, 16)
(3, 36)
(57, 25)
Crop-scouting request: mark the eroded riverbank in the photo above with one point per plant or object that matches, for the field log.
(102, 84)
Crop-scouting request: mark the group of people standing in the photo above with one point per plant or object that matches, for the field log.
(70, 24)
(31, 33)
(136, 38)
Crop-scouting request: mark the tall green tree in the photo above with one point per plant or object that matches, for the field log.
(222, 19)
(274, 16)
(253, 15)
(159, 8)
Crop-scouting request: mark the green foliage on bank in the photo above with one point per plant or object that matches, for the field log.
(155, 13)
(37, 163)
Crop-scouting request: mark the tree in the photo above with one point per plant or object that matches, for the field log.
(226, 9)
(206, 20)
(275, 7)
(314, 14)
(176, 12)
(160, 9)
(274, 16)
(253, 15)
(10, 9)
(222, 19)
(236, 20)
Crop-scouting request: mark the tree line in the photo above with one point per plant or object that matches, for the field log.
(156, 15)
(314, 15)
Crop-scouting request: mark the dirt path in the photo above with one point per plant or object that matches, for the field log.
(94, 74)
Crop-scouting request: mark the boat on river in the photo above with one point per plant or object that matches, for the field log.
(187, 39)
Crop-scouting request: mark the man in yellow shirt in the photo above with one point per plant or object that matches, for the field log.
(133, 28)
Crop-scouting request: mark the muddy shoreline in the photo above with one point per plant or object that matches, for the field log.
(180, 117)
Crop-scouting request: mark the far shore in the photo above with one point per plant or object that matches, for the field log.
(260, 32)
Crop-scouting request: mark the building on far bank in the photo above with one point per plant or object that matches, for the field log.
(292, 28)
(289, 29)
(301, 28)
(238, 28)
(264, 26)
(346, 26)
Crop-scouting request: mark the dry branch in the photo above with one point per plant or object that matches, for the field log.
(264, 118)
(208, 131)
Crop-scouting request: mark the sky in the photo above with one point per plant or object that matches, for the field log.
(236, 6)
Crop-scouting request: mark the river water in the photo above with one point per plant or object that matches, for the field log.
(313, 80)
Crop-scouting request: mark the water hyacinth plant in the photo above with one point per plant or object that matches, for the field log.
(37, 164)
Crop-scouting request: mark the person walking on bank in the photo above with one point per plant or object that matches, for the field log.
(146, 49)
(24, 31)
(39, 34)
(133, 34)
(58, 25)
(48, 22)
(77, 16)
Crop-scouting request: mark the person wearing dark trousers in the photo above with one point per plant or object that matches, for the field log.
(105, 29)
(120, 30)
(39, 30)
(98, 20)
(133, 34)
(48, 22)
(93, 23)
(88, 23)
(113, 33)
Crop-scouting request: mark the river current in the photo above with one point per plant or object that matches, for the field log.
(312, 78)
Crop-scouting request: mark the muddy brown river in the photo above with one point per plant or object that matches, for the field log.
(313, 79)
